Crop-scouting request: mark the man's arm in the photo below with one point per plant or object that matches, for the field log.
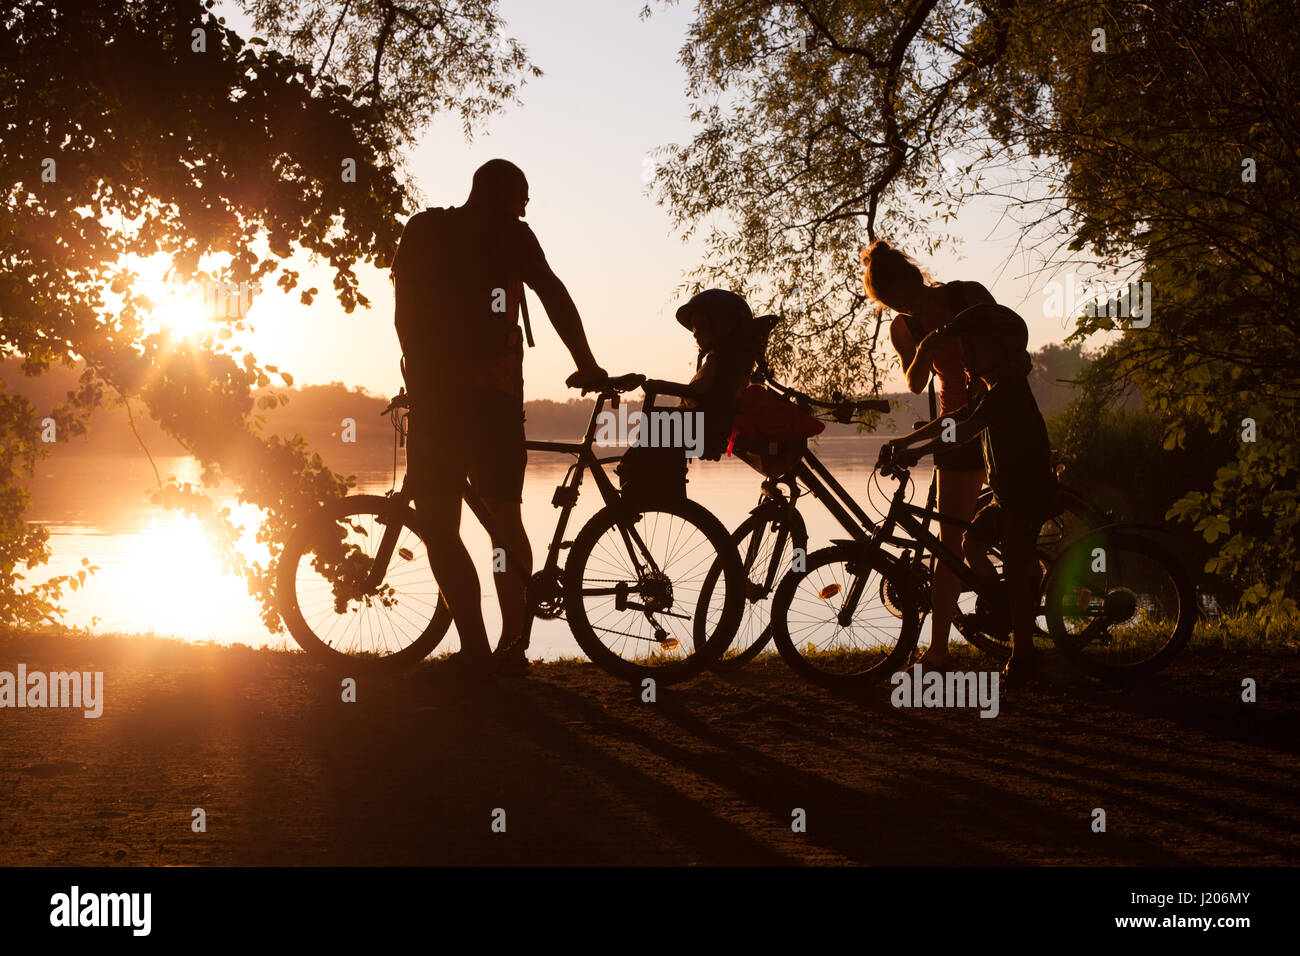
(564, 317)
(561, 311)
(969, 421)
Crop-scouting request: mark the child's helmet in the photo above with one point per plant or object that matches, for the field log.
(730, 313)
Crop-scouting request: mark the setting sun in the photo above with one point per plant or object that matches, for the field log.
(182, 315)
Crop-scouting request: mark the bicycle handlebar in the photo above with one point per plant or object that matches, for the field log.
(400, 400)
(891, 467)
(615, 383)
(842, 410)
(611, 383)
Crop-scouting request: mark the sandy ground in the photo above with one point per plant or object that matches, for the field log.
(587, 773)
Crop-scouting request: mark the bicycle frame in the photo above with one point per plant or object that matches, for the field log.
(916, 521)
(823, 486)
(913, 520)
(565, 498)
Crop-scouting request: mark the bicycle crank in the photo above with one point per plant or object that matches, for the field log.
(546, 594)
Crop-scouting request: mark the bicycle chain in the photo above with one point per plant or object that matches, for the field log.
(610, 630)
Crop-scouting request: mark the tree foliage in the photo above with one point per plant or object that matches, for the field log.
(149, 126)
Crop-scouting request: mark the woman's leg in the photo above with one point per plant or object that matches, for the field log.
(958, 492)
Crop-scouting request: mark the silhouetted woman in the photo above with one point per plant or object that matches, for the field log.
(896, 282)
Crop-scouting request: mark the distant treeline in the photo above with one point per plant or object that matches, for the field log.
(317, 411)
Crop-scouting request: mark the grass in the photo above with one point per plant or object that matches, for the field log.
(1242, 633)
(1234, 633)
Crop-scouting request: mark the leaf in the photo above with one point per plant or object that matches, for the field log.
(1212, 526)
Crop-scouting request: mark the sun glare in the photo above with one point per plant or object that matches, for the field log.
(173, 581)
(181, 315)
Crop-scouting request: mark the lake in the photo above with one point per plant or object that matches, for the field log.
(158, 574)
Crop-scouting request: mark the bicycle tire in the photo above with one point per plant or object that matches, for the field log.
(756, 613)
(1072, 576)
(356, 656)
(703, 648)
(815, 665)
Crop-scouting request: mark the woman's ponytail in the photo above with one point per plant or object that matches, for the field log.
(886, 271)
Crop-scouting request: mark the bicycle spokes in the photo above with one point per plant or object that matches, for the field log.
(837, 622)
(365, 586)
(641, 587)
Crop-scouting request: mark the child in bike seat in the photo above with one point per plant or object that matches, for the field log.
(1017, 456)
(729, 347)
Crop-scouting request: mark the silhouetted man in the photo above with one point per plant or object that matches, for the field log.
(459, 274)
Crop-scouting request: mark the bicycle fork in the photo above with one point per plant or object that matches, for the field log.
(384, 554)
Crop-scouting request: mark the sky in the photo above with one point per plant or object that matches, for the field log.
(612, 92)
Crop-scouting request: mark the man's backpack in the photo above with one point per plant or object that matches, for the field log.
(448, 316)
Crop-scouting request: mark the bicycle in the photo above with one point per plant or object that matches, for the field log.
(1113, 588)
(357, 592)
(768, 538)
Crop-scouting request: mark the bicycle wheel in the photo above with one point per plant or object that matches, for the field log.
(333, 608)
(1119, 604)
(633, 591)
(832, 627)
(756, 542)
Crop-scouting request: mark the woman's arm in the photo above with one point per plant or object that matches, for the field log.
(916, 367)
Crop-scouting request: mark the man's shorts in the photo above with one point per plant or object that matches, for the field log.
(1015, 528)
(478, 435)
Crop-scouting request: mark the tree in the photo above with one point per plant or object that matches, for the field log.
(1155, 137)
(150, 126)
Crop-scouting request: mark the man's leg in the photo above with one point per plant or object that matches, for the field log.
(500, 458)
(454, 570)
(978, 541)
(1022, 592)
(512, 583)
(1022, 582)
(436, 457)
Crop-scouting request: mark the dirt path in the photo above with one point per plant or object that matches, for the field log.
(588, 774)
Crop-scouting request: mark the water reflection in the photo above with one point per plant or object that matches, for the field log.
(158, 572)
